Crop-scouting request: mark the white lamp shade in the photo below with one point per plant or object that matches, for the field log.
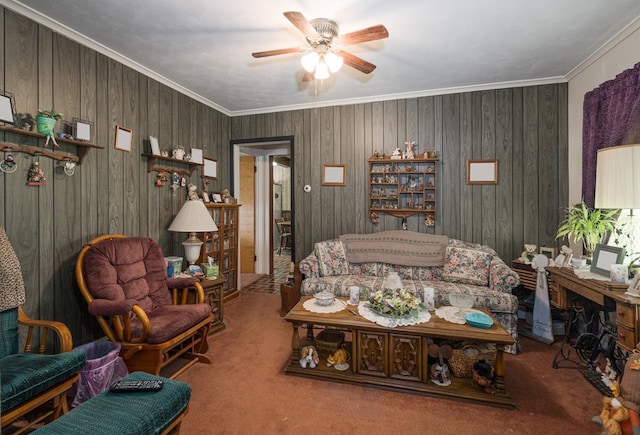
(322, 70)
(334, 61)
(618, 177)
(193, 217)
(309, 61)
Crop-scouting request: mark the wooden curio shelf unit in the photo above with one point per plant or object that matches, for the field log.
(152, 164)
(404, 187)
(222, 245)
(50, 152)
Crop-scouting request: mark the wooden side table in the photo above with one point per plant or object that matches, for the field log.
(214, 296)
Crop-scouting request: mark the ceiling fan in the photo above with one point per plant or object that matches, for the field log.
(325, 53)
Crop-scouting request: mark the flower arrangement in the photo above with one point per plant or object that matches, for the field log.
(395, 303)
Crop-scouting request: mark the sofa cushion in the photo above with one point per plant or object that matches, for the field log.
(331, 258)
(24, 376)
(406, 248)
(468, 266)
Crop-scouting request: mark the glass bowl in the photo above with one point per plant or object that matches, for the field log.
(461, 300)
(324, 298)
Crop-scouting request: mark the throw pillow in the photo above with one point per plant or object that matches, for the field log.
(332, 259)
(468, 266)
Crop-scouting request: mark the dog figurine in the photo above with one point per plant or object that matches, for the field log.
(309, 357)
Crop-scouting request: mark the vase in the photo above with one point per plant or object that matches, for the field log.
(393, 281)
(45, 125)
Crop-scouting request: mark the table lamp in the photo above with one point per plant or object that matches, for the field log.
(193, 218)
(618, 178)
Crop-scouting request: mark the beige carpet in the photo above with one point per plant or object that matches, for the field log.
(245, 391)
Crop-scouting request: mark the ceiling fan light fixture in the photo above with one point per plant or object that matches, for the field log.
(322, 70)
(333, 61)
(309, 61)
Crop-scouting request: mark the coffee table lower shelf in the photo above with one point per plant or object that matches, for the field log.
(395, 358)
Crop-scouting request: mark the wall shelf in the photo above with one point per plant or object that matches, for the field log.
(83, 147)
(152, 160)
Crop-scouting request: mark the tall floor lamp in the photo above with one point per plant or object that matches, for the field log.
(193, 218)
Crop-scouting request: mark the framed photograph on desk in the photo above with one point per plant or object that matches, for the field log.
(604, 256)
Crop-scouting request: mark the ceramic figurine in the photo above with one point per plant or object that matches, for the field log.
(36, 175)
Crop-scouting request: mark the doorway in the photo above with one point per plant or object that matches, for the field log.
(266, 153)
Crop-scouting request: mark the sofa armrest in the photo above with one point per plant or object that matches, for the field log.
(309, 266)
(501, 277)
(61, 330)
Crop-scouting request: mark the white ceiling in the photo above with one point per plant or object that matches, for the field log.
(203, 47)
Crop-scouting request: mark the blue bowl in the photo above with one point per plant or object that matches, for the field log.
(479, 320)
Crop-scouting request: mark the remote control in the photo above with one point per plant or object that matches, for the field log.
(131, 385)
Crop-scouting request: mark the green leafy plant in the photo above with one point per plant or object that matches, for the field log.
(586, 225)
(50, 113)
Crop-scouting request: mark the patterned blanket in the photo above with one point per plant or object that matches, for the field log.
(12, 292)
(406, 248)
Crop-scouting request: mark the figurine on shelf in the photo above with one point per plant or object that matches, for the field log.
(439, 370)
(409, 152)
(396, 154)
(429, 221)
(192, 192)
(36, 175)
(161, 179)
(528, 253)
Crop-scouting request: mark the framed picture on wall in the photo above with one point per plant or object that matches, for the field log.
(81, 129)
(7, 108)
(123, 138)
(482, 172)
(334, 175)
(210, 169)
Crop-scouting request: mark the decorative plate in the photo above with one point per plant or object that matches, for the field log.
(341, 367)
(479, 320)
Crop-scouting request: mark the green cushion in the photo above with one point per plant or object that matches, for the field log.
(24, 376)
(130, 413)
(8, 332)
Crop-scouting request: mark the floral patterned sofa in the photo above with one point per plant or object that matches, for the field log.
(465, 268)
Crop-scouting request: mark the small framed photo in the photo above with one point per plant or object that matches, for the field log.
(205, 196)
(482, 172)
(334, 175)
(155, 146)
(634, 287)
(215, 197)
(81, 129)
(123, 138)
(7, 108)
(210, 169)
(549, 252)
(604, 256)
(196, 155)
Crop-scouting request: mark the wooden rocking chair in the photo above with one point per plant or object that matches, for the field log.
(124, 281)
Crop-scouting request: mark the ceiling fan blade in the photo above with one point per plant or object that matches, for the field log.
(307, 76)
(298, 20)
(365, 35)
(277, 52)
(356, 62)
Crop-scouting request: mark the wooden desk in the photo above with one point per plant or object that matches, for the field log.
(603, 293)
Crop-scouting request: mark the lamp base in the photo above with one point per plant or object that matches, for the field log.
(192, 248)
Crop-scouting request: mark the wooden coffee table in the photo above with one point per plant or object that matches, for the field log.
(395, 358)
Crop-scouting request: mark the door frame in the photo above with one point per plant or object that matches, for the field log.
(263, 148)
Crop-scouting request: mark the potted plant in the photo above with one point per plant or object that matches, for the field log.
(46, 121)
(586, 225)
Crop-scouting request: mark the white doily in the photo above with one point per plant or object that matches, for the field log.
(311, 305)
(453, 314)
(391, 322)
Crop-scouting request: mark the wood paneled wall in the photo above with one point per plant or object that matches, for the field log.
(525, 129)
(111, 192)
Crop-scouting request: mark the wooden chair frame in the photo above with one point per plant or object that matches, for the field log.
(137, 354)
(57, 394)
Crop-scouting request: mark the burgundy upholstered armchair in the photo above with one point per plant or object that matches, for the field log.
(155, 319)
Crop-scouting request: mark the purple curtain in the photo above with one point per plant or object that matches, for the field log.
(611, 117)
